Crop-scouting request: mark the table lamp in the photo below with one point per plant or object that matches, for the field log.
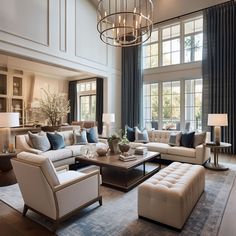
(7, 120)
(108, 118)
(217, 120)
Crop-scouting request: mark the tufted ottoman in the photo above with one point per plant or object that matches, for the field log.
(170, 195)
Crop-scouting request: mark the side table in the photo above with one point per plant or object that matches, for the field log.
(216, 149)
(7, 176)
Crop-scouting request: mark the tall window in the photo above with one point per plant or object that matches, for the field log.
(150, 103)
(150, 51)
(165, 45)
(193, 40)
(171, 103)
(87, 100)
(193, 103)
(171, 45)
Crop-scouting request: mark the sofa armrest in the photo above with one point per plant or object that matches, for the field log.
(22, 145)
(202, 153)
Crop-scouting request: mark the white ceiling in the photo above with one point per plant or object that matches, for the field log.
(33, 67)
(167, 9)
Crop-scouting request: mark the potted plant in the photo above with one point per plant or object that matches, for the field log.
(113, 143)
(124, 143)
(53, 106)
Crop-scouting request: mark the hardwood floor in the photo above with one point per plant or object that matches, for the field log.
(13, 224)
(228, 226)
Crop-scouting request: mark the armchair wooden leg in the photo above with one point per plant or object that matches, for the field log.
(25, 210)
(100, 201)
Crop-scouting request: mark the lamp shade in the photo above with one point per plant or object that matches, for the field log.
(9, 119)
(217, 120)
(108, 117)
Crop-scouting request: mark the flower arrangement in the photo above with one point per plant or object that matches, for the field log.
(53, 106)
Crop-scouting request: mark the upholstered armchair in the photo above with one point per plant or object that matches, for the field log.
(55, 194)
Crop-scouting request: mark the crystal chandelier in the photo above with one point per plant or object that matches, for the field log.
(125, 23)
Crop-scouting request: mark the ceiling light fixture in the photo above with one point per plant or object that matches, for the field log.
(125, 23)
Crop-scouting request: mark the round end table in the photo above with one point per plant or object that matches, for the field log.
(216, 149)
(7, 176)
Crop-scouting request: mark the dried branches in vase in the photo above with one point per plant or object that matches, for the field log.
(53, 106)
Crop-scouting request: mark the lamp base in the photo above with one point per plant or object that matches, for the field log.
(217, 134)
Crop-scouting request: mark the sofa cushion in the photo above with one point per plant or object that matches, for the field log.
(80, 137)
(69, 175)
(56, 141)
(157, 147)
(182, 151)
(75, 149)
(175, 139)
(68, 137)
(141, 136)
(187, 139)
(130, 133)
(199, 138)
(39, 141)
(160, 136)
(92, 135)
(56, 155)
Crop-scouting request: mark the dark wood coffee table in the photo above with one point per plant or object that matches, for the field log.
(123, 175)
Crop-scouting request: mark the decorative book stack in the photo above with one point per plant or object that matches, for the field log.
(127, 157)
(141, 150)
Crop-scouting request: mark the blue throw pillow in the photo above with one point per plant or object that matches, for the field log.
(92, 135)
(187, 139)
(56, 141)
(130, 133)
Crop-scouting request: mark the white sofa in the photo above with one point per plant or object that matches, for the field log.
(64, 156)
(158, 142)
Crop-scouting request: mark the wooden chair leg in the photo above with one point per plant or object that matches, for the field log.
(100, 201)
(25, 210)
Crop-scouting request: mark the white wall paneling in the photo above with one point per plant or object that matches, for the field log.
(26, 19)
(63, 21)
(88, 43)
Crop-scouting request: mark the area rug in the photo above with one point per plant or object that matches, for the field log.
(118, 215)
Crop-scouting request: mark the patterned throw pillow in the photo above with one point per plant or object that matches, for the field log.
(80, 137)
(39, 141)
(199, 138)
(187, 139)
(141, 136)
(175, 139)
(92, 134)
(56, 141)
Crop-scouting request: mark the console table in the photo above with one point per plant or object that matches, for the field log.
(216, 149)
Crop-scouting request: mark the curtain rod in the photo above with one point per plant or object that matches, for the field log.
(190, 13)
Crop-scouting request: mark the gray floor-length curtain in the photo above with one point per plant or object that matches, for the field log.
(99, 103)
(132, 87)
(219, 67)
(72, 95)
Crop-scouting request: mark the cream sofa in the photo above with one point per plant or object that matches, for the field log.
(64, 156)
(158, 142)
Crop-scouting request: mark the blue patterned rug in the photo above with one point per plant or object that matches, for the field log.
(118, 215)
